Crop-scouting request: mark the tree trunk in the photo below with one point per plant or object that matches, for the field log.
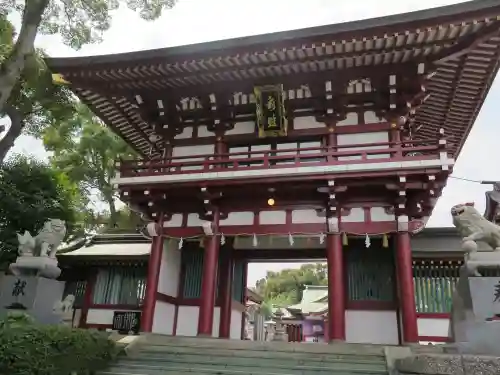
(113, 213)
(13, 66)
(15, 130)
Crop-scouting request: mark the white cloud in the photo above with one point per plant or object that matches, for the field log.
(193, 21)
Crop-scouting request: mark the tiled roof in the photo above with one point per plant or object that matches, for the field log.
(466, 35)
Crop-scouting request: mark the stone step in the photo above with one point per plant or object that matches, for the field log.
(253, 362)
(334, 348)
(198, 371)
(141, 369)
(159, 351)
(264, 357)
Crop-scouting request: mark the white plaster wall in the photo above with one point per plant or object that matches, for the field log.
(204, 132)
(371, 118)
(291, 154)
(163, 319)
(170, 268)
(307, 217)
(351, 119)
(102, 316)
(308, 122)
(215, 322)
(272, 217)
(193, 220)
(245, 150)
(187, 132)
(192, 151)
(187, 321)
(174, 222)
(76, 318)
(235, 331)
(238, 218)
(433, 327)
(372, 327)
(279, 242)
(362, 138)
(356, 215)
(379, 214)
(247, 127)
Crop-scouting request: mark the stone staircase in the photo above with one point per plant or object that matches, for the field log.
(164, 355)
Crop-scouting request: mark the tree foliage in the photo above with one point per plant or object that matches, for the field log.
(34, 101)
(78, 22)
(285, 287)
(30, 348)
(32, 192)
(86, 150)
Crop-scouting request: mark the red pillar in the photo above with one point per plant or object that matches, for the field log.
(336, 288)
(226, 295)
(406, 290)
(245, 299)
(209, 279)
(154, 264)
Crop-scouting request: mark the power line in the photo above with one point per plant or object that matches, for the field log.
(474, 181)
(466, 179)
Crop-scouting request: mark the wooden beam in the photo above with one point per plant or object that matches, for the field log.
(466, 44)
(290, 81)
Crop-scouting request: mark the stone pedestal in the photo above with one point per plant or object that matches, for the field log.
(474, 327)
(37, 296)
(279, 330)
(481, 260)
(36, 266)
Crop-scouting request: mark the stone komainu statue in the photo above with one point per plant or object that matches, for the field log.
(65, 306)
(473, 227)
(46, 241)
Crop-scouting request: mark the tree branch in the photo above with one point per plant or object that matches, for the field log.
(13, 66)
(14, 131)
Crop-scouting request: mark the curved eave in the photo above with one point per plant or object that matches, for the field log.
(286, 39)
(461, 43)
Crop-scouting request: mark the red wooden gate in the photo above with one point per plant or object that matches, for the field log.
(294, 332)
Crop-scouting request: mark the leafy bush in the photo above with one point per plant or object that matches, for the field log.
(15, 319)
(33, 349)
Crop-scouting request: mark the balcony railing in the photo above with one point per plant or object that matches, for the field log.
(284, 158)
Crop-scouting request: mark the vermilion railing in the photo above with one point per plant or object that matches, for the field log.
(284, 158)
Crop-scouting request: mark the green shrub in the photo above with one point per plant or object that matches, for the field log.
(15, 319)
(33, 349)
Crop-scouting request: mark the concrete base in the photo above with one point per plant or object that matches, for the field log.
(36, 296)
(476, 301)
(36, 266)
(475, 261)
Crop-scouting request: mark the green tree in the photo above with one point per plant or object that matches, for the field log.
(285, 287)
(31, 193)
(34, 100)
(78, 22)
(86, 151)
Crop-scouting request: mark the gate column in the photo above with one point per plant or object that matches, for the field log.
(154, 264)
(404, 268)
(209, 278)
(226, 291)
(336, 287)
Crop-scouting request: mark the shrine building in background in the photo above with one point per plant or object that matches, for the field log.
(332, 142)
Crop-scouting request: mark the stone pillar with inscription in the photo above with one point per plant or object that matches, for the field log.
(32, 287)
(475, 314)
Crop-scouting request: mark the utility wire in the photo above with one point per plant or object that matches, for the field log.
(474, 181)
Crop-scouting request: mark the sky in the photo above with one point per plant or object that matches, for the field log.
(193, 21)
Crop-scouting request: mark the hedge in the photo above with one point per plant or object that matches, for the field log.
(27, 348)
